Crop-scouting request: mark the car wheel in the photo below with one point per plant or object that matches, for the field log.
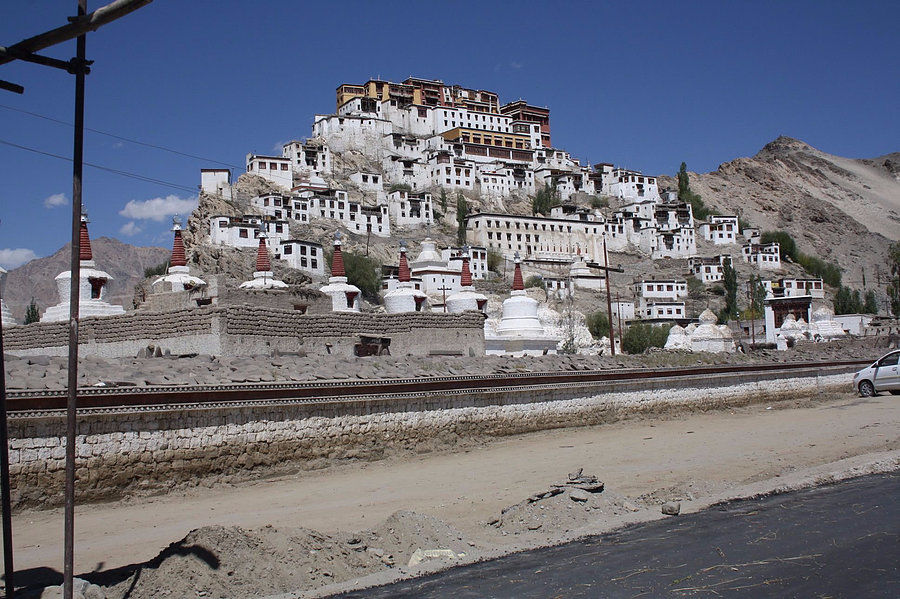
(867, 389)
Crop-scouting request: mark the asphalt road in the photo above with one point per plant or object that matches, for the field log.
(834, 541)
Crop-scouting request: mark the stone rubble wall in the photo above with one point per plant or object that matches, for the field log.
(252, 330)
(121, 454)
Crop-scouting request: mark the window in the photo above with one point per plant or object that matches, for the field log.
(287, 250)
(313, 263)
(284, 167)
(243, 234)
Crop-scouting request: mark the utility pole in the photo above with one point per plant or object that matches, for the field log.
(79, 66)
(444, 291)
(606, 268)
(5, 503)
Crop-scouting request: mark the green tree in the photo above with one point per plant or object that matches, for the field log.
(544, 199)
(685, 194)
(757, 297)
(696, 288)
(893, 288)
(847, 301)
(443, 200)
(599, 202)
(462, 210)
(729, 280)
(870, 304)
(641, 337)
(32, 313)
(787, 247)
(598, 324)
(364, 272)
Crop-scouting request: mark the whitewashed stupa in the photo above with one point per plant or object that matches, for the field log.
(710, 337)
(428, 257)
(344, 297)
(823, 326)
(5, 314)
(404, 297)
(520, 331)
(178, 276)
(91, 286)
(466, 298)
(263, 277)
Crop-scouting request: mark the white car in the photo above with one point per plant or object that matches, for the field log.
(883, 375)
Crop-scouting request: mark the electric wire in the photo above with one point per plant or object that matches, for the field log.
(121, 138)
(131, 175)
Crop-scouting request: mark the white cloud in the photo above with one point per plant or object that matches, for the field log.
(130, 229)
(57, 199)
(13, 258)
(158, 208)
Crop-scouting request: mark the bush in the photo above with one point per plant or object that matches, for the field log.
(599, 202)
(696, 288)
(870, 305)
(830, 273)
(399, 187)
(32, 313)
(364, 272)
(545, 197)
(156, 271)
(598, 324)
(641, 337)
(535, 281)
(494, 261)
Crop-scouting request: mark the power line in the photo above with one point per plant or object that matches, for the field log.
(131, 175)
(121, 138)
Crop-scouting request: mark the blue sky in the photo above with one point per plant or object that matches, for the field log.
(640, 84)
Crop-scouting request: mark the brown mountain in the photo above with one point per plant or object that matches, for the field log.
(126, 264)
(843, 210)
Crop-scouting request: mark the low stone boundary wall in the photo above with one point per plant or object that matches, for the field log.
(251, 330)
(152, 450)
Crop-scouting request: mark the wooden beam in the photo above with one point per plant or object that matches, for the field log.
(78, 26)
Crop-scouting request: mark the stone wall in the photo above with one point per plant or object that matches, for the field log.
(252, 330)
(150, 451)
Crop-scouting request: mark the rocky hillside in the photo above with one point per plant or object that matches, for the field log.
(126, 263)
(841, 209)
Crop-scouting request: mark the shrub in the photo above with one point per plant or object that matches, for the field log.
(696, 288)
(399, 187)
(545, 197)
(494, 261)
(156, 271)
(598, 324)
(599, 202)
(641, 337)
(830, 273)
(364, 272)
(32, 313)
(535, 281)
(870, 304)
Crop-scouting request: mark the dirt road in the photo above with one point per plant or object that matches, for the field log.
(704, 456)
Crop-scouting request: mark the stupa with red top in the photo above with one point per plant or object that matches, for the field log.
(91, 284)
(405, 297)
(263, 277)
(178, 276)
(466, 298)
(344, 296)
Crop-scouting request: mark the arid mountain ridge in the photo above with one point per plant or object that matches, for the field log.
(840, 209)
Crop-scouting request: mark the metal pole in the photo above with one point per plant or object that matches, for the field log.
(612, 337)
(71, 405)
(619, 316)
(8, 568)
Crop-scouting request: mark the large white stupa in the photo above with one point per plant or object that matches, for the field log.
(178, 276)
(404, 297)
(91, 285)
(344, 297)
(5, 314)
(520, 331)
(466, 298)
(263, 277)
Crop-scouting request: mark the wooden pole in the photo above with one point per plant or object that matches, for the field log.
(74, 298)
(612, 337)
(8, 567)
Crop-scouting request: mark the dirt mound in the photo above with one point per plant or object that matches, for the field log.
(229, 561)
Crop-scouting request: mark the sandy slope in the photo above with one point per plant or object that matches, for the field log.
(698, 456)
